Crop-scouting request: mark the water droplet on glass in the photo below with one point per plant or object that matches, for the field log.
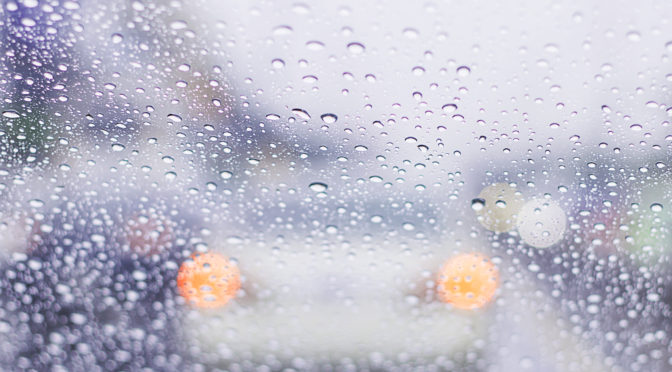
(634, 36)
(314, 45)
(178, 25)
(318, 186)
(410, 33)
(418, 70)
(449, 107)
(309, 79)
(656, 207)
(282, 30)
(463, 71)
(329, 118)
(11, 114)
(356, 48)
(28, 22)
(36, 203)
(302, 114)
(477, 204)
(174, 118)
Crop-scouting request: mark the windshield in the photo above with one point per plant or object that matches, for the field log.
(335, 185)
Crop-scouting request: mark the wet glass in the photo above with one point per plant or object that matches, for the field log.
(337, 185)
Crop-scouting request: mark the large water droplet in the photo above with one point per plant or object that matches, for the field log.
(449, 107)
(329, 118)
(463, 71)
(174, 118)
(478, 204)
(314, 45)
(302, 114)
(11, 114)
(318, 186)
(356, 48)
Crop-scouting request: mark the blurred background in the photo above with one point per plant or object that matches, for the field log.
(338, 154)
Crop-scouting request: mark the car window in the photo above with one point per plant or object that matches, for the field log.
(295, 186)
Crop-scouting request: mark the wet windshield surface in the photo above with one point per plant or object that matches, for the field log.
(267, 186)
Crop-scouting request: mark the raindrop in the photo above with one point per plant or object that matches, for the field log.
(634, 36)
(225, 175)
(282, 30)
(178, 25)
(329, 118)
(28, 22)
(174, 118)
(36, 203)
(477, 204)
(318, 187)
(418, 70)
(356, 48)
(301, 113)
(463, 71)
(138, 6)
(314, 45)
(11, 114)
(656, 207)
(300, 8)
(410, 33)
(309, 79)
(449, 107)
(551, 48)
(117, 38)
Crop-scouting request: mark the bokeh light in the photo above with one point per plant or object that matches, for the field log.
(497, 206)
(468, 281)
(541, 223)
(208, 280)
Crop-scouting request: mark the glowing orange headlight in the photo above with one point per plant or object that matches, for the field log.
(467, 281)
(208, 280)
